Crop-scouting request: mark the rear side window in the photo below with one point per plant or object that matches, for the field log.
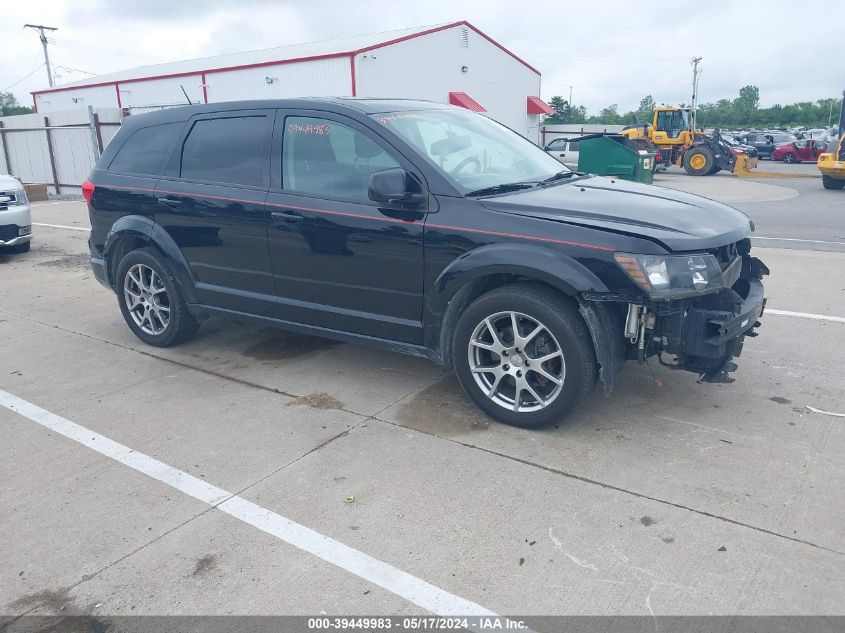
(234, 150)
(573, 146)
(146, 150)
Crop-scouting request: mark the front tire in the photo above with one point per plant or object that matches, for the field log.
(829, 182)
(151, 301)
(699, 161)
(524, 356)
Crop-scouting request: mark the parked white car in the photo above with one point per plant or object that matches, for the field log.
(565, 150)
(15, 216)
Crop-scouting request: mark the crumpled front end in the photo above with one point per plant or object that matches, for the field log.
(701, 334)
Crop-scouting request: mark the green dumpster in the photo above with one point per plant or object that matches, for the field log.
(616, 155)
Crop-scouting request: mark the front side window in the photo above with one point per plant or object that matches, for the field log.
(145, 151)
(330, 159)
(471, 150)
(232, 150)
(557, 145)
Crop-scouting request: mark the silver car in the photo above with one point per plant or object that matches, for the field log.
(15, 216)
(565, 150)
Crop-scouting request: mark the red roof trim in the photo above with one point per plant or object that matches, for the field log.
(297, 60)
(537, 106)
(465, 101)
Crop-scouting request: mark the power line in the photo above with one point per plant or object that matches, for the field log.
(37, 68)
(41, 28)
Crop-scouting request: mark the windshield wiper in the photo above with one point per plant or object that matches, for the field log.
(566, 173)
(503, 188)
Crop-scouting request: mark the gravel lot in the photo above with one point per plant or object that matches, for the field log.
(357, 481)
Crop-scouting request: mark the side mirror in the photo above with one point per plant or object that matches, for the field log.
(395, 187)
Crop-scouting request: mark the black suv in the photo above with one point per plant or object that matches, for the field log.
(423, 228)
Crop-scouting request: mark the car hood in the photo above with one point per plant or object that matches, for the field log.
(676, 220)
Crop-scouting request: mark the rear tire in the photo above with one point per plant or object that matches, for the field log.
(698, 161)
(829, 182)
(157, 313)
(521, 389)
(789, 158)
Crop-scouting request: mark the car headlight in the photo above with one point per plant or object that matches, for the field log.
(19, 194)
(672, 276)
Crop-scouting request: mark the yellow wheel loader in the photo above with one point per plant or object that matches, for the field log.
(832, 163)
(700, 155)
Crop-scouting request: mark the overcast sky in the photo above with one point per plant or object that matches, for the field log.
(609, 52)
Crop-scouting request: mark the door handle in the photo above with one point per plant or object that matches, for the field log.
(281, 216)
(170, 202)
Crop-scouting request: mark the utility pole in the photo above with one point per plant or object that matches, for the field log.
(694, 62)
(41, 28)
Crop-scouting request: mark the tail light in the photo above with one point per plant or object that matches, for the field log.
(659, 157)
(87, 190)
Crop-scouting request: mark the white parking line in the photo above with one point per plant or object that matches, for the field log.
(401, 583)
(61, 226)
(47, 204)
(805, 315)
(795, 239)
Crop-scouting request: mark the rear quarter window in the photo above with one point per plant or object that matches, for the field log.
(231, 150)
(146, 150)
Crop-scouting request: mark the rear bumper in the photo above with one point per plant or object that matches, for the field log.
(98, 267)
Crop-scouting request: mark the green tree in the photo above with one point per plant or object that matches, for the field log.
(562, 111)
(9, 105)
(645, 109)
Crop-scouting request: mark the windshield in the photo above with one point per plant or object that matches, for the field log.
(473, 151)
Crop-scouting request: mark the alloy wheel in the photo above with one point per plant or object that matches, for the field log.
(516, 361)
(146, 299)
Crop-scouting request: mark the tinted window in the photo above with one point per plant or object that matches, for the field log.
(330, 159)
(145, 151)
(573, 146)
(233, 150)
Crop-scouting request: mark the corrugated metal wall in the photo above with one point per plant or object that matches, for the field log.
(98, 97)
(29, 151)
(317, 78)
(430, 67)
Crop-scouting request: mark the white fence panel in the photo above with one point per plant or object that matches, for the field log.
(58, 149)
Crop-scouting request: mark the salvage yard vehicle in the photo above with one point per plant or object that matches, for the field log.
(565, 150)
(15, 216)
(671, 130)
(831, 163)
(422, 228)
(798, 151)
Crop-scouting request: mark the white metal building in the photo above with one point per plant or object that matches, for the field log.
(453, 63)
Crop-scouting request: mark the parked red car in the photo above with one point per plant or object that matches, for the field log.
(795, 152)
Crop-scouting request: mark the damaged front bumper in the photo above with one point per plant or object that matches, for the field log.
(699, 334)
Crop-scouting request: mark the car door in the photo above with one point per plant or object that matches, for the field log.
(803, 150)
(341, 261)
(212, 203)
(572, 153)
(557, 148)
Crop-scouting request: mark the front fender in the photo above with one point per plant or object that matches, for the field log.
(145, 229)
(537, 263)
(543, 264)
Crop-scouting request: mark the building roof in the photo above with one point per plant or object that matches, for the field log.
(342, 47)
